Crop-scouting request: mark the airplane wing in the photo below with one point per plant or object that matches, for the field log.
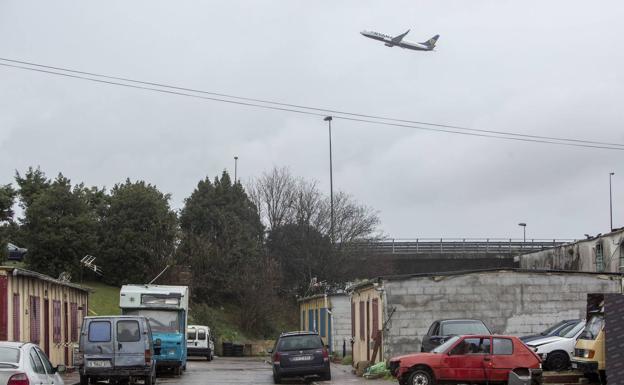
(398, 38)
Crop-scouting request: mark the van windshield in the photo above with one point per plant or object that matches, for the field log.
(593, 328)
(161, 321)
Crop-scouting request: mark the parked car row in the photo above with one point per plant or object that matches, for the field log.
(459, 350)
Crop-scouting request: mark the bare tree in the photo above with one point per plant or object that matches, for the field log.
(274, 195)
(284, 199)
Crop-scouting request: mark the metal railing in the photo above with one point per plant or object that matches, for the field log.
(460, 245)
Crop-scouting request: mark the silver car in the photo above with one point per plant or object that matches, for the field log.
(25, 363)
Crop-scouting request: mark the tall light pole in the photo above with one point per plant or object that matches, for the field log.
(523, 225)
(235, 168)
(611, 201)
(328, 119)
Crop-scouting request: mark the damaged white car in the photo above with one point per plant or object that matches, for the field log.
(556, 351)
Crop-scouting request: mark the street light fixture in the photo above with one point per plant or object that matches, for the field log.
(523, 225)
(328, 119)
(611, 201)
(235, 168)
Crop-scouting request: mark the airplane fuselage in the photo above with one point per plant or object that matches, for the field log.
(388, 41)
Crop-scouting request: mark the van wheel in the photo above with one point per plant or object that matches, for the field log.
(178, 370)
(84, 380)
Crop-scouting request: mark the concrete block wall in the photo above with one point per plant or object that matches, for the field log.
(509, 302)
(341, 319)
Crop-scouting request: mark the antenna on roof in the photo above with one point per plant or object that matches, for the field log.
(88, 262)
(158, 276)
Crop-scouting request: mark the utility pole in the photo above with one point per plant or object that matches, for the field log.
(611, 201)
(235, 168)
(328, 119)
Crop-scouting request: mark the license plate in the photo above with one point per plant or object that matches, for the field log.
(574, 365)
(99, 364)
(301, 358)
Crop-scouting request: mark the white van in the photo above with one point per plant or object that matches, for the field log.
(199, 342)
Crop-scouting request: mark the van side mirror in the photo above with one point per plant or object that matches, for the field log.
(60, 369)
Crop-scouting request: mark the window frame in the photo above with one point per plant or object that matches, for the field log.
(511, 342)
(127, 321)
(110, 332)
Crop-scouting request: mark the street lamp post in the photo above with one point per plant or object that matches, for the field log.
(235, 168)
(328, 119)
(523, 225)
(611, 201)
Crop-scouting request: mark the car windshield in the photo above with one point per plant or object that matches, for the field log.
(593, 328)
(161, 321)
(442, 348)
(552, 329)
(569, 332)
(463, 327)
(303, 342)
(9, 355)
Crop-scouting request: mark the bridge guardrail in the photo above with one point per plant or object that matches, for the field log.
(460, 245)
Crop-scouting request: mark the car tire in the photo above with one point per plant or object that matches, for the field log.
(177, 370)
(420, 377)
(557, 361)
(327, 375)
(84, 380)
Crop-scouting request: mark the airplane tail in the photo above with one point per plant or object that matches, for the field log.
(432, 42)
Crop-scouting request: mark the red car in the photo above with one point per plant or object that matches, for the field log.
(474, 358)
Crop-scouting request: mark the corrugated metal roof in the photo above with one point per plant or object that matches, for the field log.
(17, 271)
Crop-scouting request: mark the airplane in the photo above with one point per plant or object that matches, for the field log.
(391, 41)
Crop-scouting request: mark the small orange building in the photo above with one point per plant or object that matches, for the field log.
(40, 309)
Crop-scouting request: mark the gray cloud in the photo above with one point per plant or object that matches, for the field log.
(543, 68)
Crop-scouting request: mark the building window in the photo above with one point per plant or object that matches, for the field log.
(74, 321)
(599, 257)
(35, 319)
(323, 327)
(56, 321)
(16, 317)
(310, 320)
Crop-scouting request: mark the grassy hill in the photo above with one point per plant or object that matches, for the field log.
(104, 300)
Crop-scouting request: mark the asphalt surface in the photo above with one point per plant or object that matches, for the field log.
(246, 371)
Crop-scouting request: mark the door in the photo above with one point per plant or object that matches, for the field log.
(202, 338)
(38, 371)
(66, 330)
(129, 346)
(191, 337)
(502, 359)
(46, 326)
(99, 351)
(466, 360)
(368, 327)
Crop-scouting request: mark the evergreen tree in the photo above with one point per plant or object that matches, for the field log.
(137, 233)
(7, 198)
(221, 237)
(58, 226)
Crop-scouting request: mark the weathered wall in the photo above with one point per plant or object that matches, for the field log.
(364, 315)
(581, 255)
(509, 302)
(341, 323)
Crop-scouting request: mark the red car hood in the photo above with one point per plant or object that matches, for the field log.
(411, 359)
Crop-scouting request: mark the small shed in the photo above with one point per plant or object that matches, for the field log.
(509, 301)
(330, 316)
(40, 309)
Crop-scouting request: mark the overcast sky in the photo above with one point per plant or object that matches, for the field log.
(550, 68)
